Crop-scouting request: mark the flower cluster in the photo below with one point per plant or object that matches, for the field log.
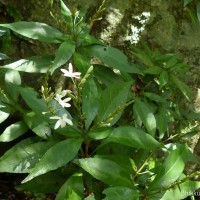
(63, 120)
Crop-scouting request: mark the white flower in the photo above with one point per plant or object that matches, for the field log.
(63, 102)
(70, 73)
(62, 121)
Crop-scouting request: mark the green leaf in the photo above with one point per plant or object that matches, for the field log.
(106, 171)
(133, 137)
(198, 10)
(162, 120)
(120, 192)
(13, 131)
(89, 101)
(111, 99)
(33, 64)
(146, 115)
(72, 188)
(187, 92)
(3, 115)
(90, 197)
(57, 156)
(36, 31)
(66, 13)
(153, 70)
(23, 156)
(3, 56)
(5, 109)
(187, 2)
(113, 57)
(171, 62)
(100, 133)
(81, 62)
(63, 54)
(31, 98)
(171, 169)
(3, 31)
(163, 79)
(13, 77)
(64, 9)
(182, 191)
(106, 75)
(154, 97)
(68, 132)
(37, 124)
(42, 130)
(46, 183)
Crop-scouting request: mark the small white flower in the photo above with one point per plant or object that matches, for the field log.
(63, 102)
(70, 73)
(62, 121)
(146, 14)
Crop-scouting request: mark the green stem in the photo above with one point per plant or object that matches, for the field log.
(141, 168)
(111, 115)
(97, 14)
(177, 183)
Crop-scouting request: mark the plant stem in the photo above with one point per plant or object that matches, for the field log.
(97, 14)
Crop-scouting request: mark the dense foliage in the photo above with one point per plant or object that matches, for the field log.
(111, 129)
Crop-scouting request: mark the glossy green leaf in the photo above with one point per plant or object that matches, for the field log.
(106, 75)
(163, 79)
(187, 92)
(66, 13)
(3, 31)
(13, 131)
(123, 160)
(90, 102)
(111, 99)
(171, 169)
(113, 57)
(154, 97)
(120, 192)
(36, 31)
(38, 105)
(90, 197)
(146, 115)
(3, 56)
(106, 171)
(37, 124)
(162, 120)
(100, 134)
(198, 10)
(3, 115)
(42, 130)
(63, 54)
(23, 156)
(33, 64)
(64, 9)
(68, 132)
(81, 62)
(72, 189)
(57, 156)
(12, 77)
(133, 137)
(5, 109)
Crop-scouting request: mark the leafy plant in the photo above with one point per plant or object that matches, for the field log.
(115, 132)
